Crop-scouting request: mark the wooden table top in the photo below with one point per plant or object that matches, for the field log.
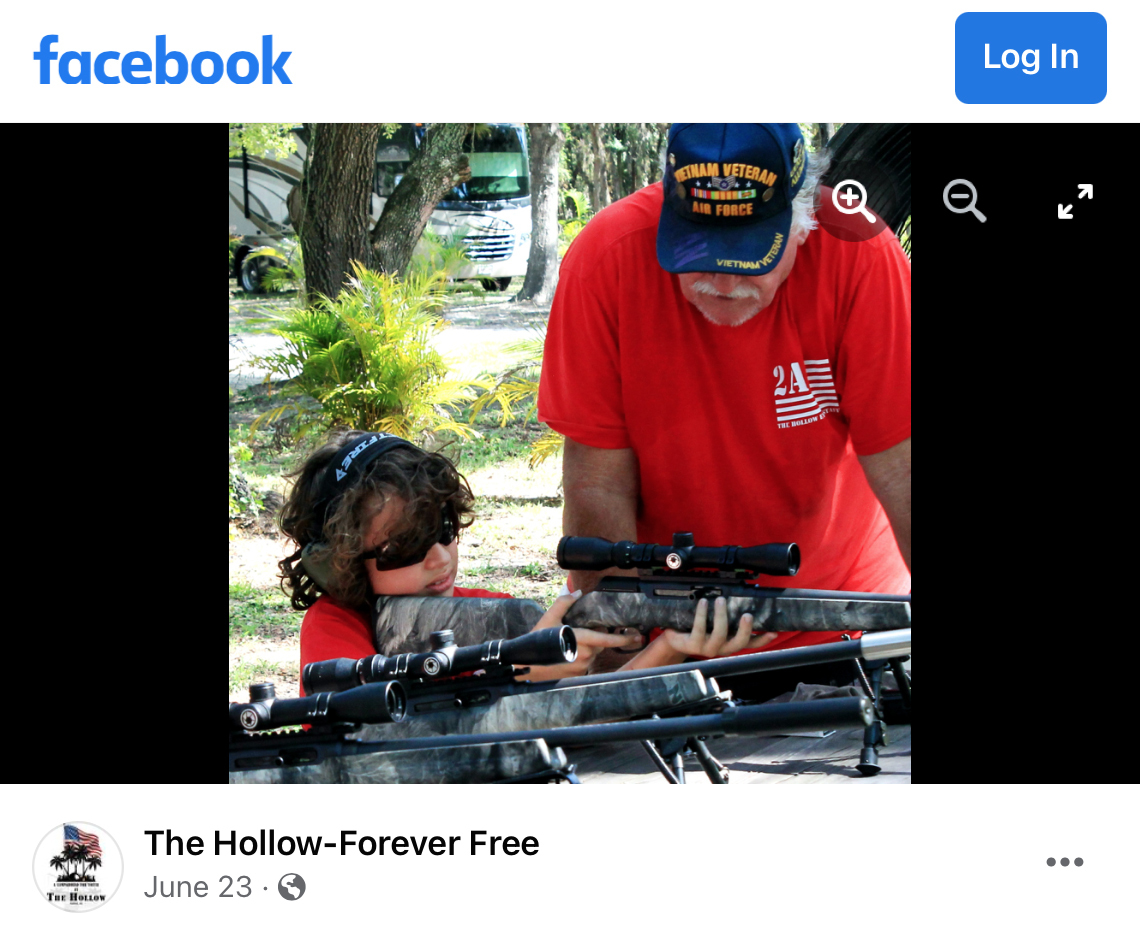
(798, 759)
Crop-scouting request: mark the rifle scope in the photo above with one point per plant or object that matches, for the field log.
(593, 554)
(384, 702)
(551, 646)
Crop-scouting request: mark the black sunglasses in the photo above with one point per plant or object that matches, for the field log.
(413, 548)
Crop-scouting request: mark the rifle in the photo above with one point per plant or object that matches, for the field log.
(333, 755)
(497, 701)
(681, 575)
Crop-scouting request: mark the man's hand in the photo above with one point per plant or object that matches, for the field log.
(590, 643)
(700, 641)
(888, 474)
(673, 646)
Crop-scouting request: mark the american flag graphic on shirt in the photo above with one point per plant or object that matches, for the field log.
(73, 836)
(810, 392)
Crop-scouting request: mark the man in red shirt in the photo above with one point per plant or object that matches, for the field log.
(720, 365)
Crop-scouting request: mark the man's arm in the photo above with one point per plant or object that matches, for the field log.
(888, 473)
(601, 491)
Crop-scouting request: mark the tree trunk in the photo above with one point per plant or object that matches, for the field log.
(335, 200)
(614, 169)
(824, 131)
(546, 140)
(437, 168)
(599, 193)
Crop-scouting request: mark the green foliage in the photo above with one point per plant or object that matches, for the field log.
(367, 358)
(574, 204)
(576, 214)
(263, 140)
(515, 391)
(904, 236)
(242, 498)
(235, 242)
(632, 154)
(568, 231)
(288, 270)
(437, 255)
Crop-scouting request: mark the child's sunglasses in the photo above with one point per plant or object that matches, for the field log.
(402, 552)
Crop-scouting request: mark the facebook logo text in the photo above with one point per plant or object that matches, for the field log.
(168, 65)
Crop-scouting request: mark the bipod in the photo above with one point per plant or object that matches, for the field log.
(896, 704)
(717, 773)
(668, 756)
(875, 735)
(674, 774)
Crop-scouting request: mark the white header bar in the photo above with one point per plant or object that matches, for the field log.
(595, 60)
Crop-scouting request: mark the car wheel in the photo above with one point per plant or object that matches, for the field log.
(503, 283)
(252, 274)
(238, 258)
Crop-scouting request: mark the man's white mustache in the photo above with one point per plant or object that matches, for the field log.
(738, 292)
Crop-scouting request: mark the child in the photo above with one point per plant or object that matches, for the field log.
(388, 515)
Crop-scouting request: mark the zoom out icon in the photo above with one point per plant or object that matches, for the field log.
(960, 196)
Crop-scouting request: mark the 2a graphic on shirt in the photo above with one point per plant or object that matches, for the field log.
(804, 393)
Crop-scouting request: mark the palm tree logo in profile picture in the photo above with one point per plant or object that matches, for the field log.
(80, 857)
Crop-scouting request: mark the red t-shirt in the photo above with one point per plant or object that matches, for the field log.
(332, 630)
(744, 434)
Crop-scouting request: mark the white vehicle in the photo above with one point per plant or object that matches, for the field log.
(490, 213)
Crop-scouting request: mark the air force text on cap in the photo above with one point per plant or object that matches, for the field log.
(167, 65)
(1031, 58)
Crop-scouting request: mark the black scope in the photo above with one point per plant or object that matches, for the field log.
(551, 646)
(590, 553)
(384, 702)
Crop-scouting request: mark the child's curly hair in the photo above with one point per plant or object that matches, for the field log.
(424, 481)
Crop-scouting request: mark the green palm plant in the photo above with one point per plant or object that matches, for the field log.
(516, 393)
(367, 358)
(288, 272)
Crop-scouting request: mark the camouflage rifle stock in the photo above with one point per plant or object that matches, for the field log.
(405, 623)
(682, 575)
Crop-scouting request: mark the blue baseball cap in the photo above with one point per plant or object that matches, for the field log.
(728, 196)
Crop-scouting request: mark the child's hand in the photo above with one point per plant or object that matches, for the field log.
(590, 642)
(701, 642)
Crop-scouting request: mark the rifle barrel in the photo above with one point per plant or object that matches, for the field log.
(884, 644)
(758, 720)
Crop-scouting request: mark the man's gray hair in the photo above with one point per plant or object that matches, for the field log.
(803, 206)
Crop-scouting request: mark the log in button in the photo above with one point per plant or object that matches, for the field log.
(1031, 58)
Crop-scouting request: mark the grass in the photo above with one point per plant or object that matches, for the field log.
(243, 674)
(260, 612)
(264, 641)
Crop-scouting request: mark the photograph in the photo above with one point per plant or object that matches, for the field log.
(569, 452)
